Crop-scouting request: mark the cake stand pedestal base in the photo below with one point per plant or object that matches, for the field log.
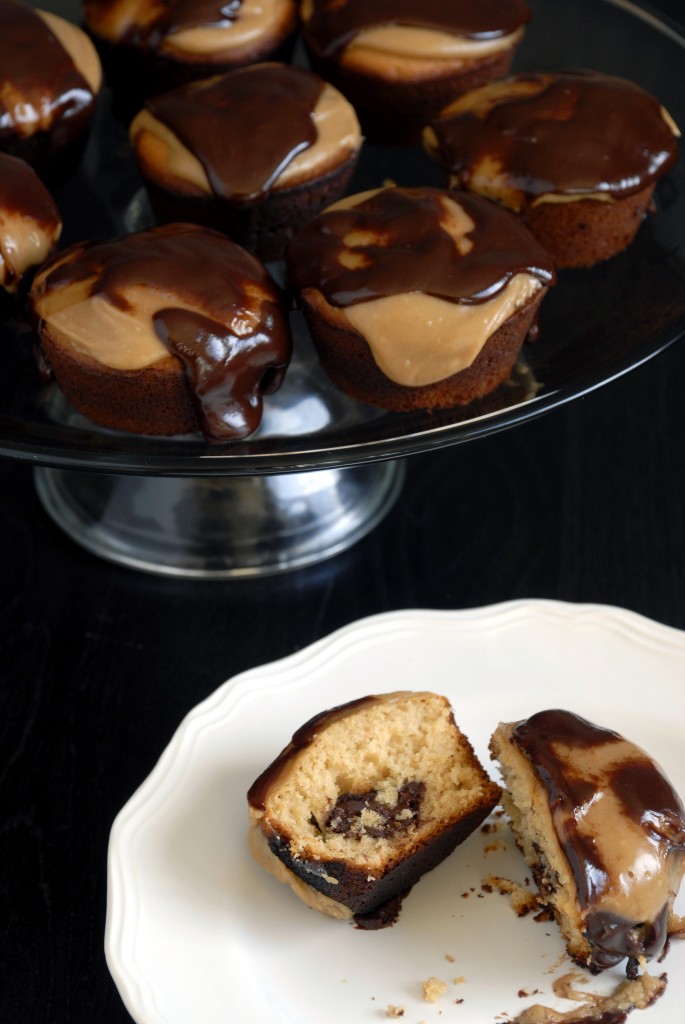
(220, 527)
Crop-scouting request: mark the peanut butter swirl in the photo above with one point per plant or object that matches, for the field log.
(621, 826)
(334, 23)
(41, 89)
(215, 308)
(394, 242)
(571, 134)
(216, 118)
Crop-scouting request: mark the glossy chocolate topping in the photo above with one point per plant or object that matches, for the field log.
(399, 245)
(259, 790)
(23, 194)
(334, 23)
(30, 222)
(171, 16)
(570, 133)
(590, 774)
(177, 15)
(244, 127)
(39, 84)
(224, 319)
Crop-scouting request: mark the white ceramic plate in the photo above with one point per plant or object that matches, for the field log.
(198, 934)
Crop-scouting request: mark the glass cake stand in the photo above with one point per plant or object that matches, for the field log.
(323, 470)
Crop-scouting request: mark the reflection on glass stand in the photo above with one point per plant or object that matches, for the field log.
(219, 527)
(222, 526)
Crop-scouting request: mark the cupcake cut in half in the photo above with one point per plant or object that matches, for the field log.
(576, 153)
(365, 799)
(400, 61)
(418, 298)
(256, 152)
(602, 830)
(166, 331)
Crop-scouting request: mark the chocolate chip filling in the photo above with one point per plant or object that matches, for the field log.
(359, 814)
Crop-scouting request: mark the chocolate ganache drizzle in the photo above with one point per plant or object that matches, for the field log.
(403, 247)
(620, 825)
(334, 24)
(570, 133)
(41, 90)
(260, 788)
(169, 17)
(224, 319)
(177, 15)
(23, 194)
(235, 125)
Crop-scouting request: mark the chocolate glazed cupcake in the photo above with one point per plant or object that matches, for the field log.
(167, 331)
(400, 62)
(256, 152)
(30, 224)
(418, 298)
(50, 77)
(577, 154)
(154, 45)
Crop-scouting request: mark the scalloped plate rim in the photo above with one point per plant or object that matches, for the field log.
(295, 672)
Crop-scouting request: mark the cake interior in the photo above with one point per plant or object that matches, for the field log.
(526, 804)
(374, 783)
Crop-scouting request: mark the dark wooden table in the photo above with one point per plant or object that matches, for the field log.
(99, 663)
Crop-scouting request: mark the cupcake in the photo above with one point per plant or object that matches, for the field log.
(418, 298)
(365, 799)
(577, 154)
(50, 77)
(223, 152)
(30, 223)
(400, 62)
(602, 830)
(166, 331)
(150, 46)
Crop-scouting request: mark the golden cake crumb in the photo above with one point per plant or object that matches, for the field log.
(394, 1011)
(433, 988)
(522, 900)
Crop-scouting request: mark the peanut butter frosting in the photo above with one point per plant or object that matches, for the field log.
(554, 137)
(424, 277)
(202, 137)
(200, 28)
(407, 39)
(620, 824)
